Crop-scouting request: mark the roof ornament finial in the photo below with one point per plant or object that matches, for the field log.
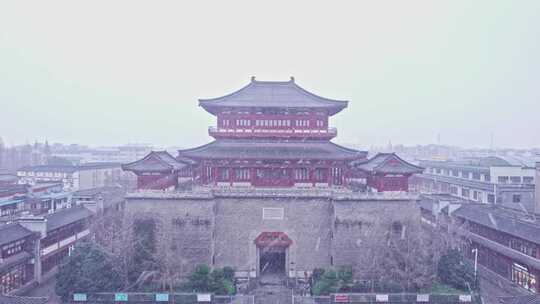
(252, 78)
(292, 79)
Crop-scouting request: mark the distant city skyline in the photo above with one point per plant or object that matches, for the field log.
(97, 73)
(153, 146)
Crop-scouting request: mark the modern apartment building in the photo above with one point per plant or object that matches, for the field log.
(491, 180)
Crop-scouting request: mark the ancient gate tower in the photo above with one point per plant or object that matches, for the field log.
(271, 191)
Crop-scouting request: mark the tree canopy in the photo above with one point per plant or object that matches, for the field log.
(87, 269)
(453, 269)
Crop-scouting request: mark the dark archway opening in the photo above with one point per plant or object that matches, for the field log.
(272, 260)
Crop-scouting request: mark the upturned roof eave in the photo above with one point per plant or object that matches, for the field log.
(199, 153)
(379, 167)
(211, 104)
(136, 165)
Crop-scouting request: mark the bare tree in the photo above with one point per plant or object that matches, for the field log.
(169, 256)
(404, 252)
(113, 232)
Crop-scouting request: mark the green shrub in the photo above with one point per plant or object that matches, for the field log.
(216, 281)
(345, 277)
(328, 283)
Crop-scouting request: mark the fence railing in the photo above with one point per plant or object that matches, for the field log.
(361, 298)
(158, 298)
(192, 298)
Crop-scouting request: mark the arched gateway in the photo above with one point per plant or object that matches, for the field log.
(272, 252)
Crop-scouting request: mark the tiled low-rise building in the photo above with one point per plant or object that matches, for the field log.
(16, 257)
(12, 199)
(32, 247)
(63, 229)
(100, 199)
(41, 198)
(507, 241)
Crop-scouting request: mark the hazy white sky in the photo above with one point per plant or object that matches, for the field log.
(112, 72)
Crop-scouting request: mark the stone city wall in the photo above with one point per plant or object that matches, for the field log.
(185, 227)
(221, 231)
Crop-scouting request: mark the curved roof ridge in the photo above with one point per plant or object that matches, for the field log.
(399, 158)
(379, 161)
(163, 156)
(282, 82)
(144, 158)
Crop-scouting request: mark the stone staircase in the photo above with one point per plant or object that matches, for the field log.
(272, 289)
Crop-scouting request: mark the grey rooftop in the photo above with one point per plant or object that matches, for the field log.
(157, 161)
(512, 222)
(267, 149)
(387, 163)
(12, 232)
(67, 216)
(273, 94)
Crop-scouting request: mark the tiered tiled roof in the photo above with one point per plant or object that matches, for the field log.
(268, 149)
(156, 161)
(387, 163)
(273, 94)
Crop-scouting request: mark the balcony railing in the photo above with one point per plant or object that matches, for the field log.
(215, 131)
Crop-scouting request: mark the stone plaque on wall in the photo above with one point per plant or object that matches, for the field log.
(273, 213)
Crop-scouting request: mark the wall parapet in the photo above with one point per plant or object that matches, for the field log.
(339, 194)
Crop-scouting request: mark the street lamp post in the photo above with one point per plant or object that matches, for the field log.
(293, 272)
(475, 250)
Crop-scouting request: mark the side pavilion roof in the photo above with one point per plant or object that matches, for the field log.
(156, 161)
(387, 163)
(270, 149)
(273, 94)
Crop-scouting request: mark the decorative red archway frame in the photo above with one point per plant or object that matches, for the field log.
(273, 239)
